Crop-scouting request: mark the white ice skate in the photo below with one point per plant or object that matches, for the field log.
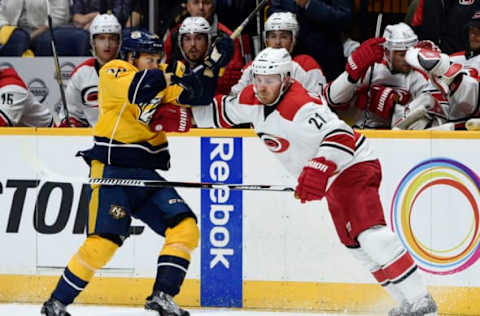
(424, 306)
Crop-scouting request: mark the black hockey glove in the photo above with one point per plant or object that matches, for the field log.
(198, 89)
(220, 54)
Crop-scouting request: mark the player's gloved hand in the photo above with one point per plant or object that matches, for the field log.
(73, 122)
(171, 118)
(312, 182)
(440, 69)
(220, 54)
(198, 89)
(368, 53)
(383, 99)
(428, 44)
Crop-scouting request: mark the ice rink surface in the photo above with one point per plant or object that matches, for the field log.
(91, 310)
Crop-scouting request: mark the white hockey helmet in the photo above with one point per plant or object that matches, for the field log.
(194, 24)
(398, 37)
(274, 61)
(105, 24)
(282, 21)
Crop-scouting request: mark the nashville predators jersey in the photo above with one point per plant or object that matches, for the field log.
(122, 136)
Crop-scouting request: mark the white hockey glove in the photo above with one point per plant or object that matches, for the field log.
(443, 73)
(415, 114)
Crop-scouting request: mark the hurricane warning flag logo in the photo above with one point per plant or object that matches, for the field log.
(435, 213)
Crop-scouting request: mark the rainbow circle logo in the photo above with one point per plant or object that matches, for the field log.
(443, 237)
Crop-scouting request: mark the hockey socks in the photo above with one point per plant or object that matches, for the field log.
(68, 287)
(95, 252)
(171, 272)
(395, 268)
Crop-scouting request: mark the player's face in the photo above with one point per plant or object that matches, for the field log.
(399, 64)
(474, 38)
(148, 61)
(203, 8)
(280, 39)
(195, 46)
(106, 46)
(267, 87)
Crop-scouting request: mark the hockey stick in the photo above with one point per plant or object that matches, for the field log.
(49, 175)
(370, 77)
(207, 71)
(57, 66)
(178, 184)
(240, 28)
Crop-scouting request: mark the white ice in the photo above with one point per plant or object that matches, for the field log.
(93, 310)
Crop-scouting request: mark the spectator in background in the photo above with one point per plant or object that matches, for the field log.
(280, 31)
(82, 88)
(206, 9)
(84, 11)
(18, 107)
(443, 22)
(171, 13)
(321, 24)
(23, 25)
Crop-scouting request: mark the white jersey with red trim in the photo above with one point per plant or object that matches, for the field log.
(305, 70)
(18, 107)
(299, 128)
(82, 93)
(341, 91)
(464, 101)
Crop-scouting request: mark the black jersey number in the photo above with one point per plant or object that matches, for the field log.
(317, 120)
(7, 98)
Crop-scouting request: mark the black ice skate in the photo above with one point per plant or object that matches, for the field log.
(53, 307)
(164, 305)
(424, 306)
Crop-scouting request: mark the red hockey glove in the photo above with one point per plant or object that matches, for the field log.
(365, 56)
(171, 118)
(312, 182)
(73, 122)
(383, 99)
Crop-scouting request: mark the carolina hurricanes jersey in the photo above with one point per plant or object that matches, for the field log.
(305, 70)
(463, 103)
(341, 91)
(300, 127)
(18, 107)
(82, 93)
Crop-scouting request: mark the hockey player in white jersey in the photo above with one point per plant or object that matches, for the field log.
(281, 30)
(458, 84)
(330, 160)
(82, 89)
(392, 85)
(470, 57)
(18, 107)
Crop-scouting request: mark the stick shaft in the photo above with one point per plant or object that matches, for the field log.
(198, 185)
(240, 28)
(372, 68)
(57, 70)
(179, 184)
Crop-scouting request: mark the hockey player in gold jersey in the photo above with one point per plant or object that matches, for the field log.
(139, 101)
